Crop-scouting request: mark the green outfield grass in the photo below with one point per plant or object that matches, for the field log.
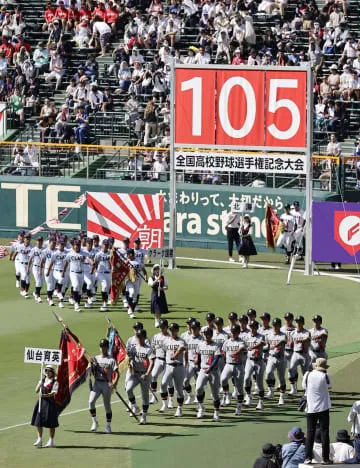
(196, 287)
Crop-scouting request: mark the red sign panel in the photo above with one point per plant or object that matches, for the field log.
(347, 230)
(242, 108)
(127, 215)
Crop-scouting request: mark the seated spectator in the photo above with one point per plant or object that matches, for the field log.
(253, 59)
(191, 58)
(7, 47)
(41, 59)
(135, 165)
(49, 16)
(99, 12)
(3, 64)
(342, 449)
(172, 33)
(82, 33)
(135, 57)
(238, 59)
(267, 457)
(319, 113)
(202, 57)
(155, 7)
(132, 108)
(48, 110)
(62, 119)
(96, 98)
(22, 43)
(346, 81)
(293, 453)
(82, 129)
(223, 46)
(333, 149)
(165, 113)
(73, 17)
(108, 101)
(211, 178)
(56, 69)
(17, 104)
(91, 68)
(56, 31)
(81, 95)
(325, 89)
(70, 91)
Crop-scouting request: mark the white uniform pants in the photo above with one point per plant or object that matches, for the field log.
(101, 388)
(133, 289)
(257, 368)
(17, 265)
(77, 281)
(237, 372)
(24, 275)
(214, 381)
(299, 235)
(39, 278)
(191, 371)
(50, 281)
(298, 359)
(133, 381)
(89, 280)
(273, 364)
(175, 374)
(104, 279)
(285, 240)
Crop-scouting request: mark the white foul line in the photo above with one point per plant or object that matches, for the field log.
(272, 267)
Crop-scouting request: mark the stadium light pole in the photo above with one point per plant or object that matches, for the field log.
(309, 267)
(172, 188)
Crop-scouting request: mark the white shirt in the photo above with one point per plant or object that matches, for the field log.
(202, 59)
(101, 27)
(340, 451)
(102, 260)
(233, 220)
(354, 418)
(317, 391)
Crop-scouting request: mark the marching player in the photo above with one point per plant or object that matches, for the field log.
(175, 348)
(319, 336)
(219, 337)
(207, 358)
(299, 217)
(34, 265)
(210, 317)
(276, 341)
(140, 255)
(122, 251)
(233, 349)
(12, 257)
(141, 363)
(22, 253)
(102, 266)
(300, 357)
(106, 373)
(132, 284)
(96, 243)
(254, 364)
(251, 313)
(264, 330)
(89, 277)
(75, 260)
(47, 266)
(288, 328)
(232, 320)
(157, 344)
(56, 266)
(159, 284)
(286, 238)
(191, 369)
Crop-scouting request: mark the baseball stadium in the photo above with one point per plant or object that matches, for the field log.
(179, 234)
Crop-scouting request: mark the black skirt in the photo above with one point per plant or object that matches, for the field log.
(247, 246)
(158, 302)
(48, 416)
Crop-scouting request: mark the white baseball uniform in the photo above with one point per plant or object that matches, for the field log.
(36, 256)
(76, 265)
(23, 256)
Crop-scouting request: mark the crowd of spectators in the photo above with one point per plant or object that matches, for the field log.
(142, 37)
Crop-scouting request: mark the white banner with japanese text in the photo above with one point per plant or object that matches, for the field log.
(42, 356)
(235, 162)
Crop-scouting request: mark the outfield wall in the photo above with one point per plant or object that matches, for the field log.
(27, 202)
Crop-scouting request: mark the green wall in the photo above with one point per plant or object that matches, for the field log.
(26, 202)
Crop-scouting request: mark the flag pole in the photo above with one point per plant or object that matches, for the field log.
(41, 377)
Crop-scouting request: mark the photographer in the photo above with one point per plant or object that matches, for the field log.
(268, 458)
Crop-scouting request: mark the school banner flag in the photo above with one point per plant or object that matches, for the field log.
(116, 346)
(73, 368)
(120, 270)
(272, 223)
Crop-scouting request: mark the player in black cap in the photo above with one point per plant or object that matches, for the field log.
(254, 363)
(288, 328)
(106, 374)
(132, 284)
(232, 320)
(210, 317)
(191, 369)
(12, 257)
(287, 228)
(300, 357)
(276, 340)
(251, 313)
(219, 337)
(319, 336)
(157, 344)
(187, 333)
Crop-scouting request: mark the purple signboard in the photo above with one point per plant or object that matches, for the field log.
(336, 232)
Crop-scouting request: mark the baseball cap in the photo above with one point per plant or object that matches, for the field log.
(233, 316)
(62, 240)
(235, 328)
(96, 237)
(141, 333)
(27, 236)
(243, 318)
(126, 239)
(138, 326)
(173, 326)
(296, 434)
(130, 251)
(210, 316)
(300, 318)
(163, 323)
(289, 316)
(77, 242)
(333, 67)
(251, 312)
(40, 238)
(296, 203)
(208, 331)
(195, 324)
(219, 320)
(137, 241)
(254, 323)
(265, 316)
(268, 450)
(104, 342)
(106, 242)
(89, 240)
(190, 319)
(276, 321)
(317, 318)
(21, 233)
(287, 206)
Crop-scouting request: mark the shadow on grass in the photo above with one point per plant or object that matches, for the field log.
(100, 447)
(147, 433)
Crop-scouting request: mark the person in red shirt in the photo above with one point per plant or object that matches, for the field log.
(61, 13)
(7, 47)
(85, 10)
(73, 17)
(112, 16)
(49, 15)
(99, 12)
(237, 59)
(22, 43)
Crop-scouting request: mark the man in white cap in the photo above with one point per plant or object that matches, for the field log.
(316, 385)
(232, 230)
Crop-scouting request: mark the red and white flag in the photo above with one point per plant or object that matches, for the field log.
(272, 223)
(4, 251)
(127, 215)
(36, 230)
(81, 200)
